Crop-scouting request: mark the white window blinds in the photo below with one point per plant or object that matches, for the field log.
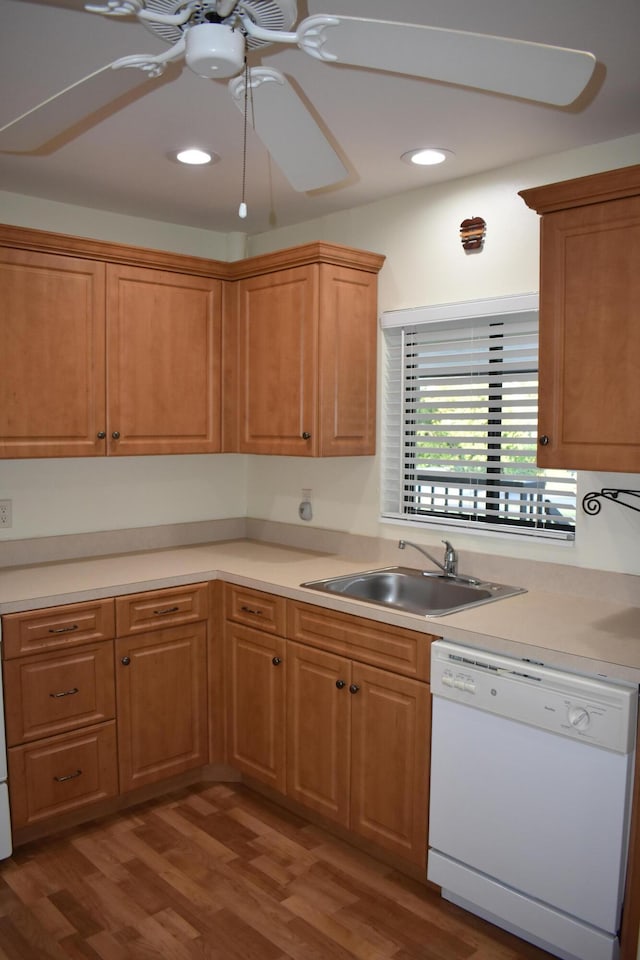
(460, 420)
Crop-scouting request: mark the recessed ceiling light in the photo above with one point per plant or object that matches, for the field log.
(427, 156)
(196, 157)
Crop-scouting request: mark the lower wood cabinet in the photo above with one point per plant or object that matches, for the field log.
(255, 687)
(54, 692)
(161, 693)
(319, 731)
(358, 748)
(88, 716)
(58, 775)
(342, 737)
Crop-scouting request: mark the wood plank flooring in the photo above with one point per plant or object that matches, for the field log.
(215, 872)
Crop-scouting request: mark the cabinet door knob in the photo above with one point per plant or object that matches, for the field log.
(276, 661)
(101, 435)
(116, 434)
(353, 688)
(340, 684)
(543, 440)
(306, 436)
(125, 661)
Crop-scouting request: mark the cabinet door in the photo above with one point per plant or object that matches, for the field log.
(347, 362)
(255, 672)
(52, 390)
(163, 342)
(589, 404)
(161, 698)
(277, 350)
(318, 730)
(391, 725)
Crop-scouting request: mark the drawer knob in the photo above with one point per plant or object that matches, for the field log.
(70, 629)
(125, 661)
(276, 661)
(306, 436)
(116, 434)
(165, 611)
(101, 435)
(68, 776)
(340, 684)
(353, 688)
(64, 693)
(543, 440)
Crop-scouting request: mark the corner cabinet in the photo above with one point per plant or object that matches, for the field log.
(589, 404)
(121, 351)
(303, 341)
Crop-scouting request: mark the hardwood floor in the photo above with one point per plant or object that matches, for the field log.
(215, 872)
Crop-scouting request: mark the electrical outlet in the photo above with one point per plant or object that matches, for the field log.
(6, 519)
(305, 510)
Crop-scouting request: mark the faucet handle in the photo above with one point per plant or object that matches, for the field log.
(450, 558)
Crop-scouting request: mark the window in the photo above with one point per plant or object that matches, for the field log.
(460, 420)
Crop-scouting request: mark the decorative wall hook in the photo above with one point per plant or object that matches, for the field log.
(472, 233)
(591, 501)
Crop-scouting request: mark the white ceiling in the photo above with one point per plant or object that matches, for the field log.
(120, 164)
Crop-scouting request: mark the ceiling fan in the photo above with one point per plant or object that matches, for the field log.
(213, 36)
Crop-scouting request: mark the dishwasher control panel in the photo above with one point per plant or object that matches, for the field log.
(599, 712)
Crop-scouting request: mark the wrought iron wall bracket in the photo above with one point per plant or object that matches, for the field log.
(591, 501)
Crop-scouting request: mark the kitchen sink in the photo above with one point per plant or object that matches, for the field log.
(413, 591)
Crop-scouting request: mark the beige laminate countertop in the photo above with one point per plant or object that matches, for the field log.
(582, 634)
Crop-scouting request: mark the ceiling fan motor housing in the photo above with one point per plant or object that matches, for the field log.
(214, 50)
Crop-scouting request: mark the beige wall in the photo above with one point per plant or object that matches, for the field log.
(38, 214)
(418, 233)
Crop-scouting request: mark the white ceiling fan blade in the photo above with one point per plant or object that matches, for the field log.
(63, 110)
(288, 131)
(534, 71)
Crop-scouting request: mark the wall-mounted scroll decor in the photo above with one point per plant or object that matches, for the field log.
(591, 501)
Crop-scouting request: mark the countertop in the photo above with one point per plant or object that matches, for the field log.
(582, 634)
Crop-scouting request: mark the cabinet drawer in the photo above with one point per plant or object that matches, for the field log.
(55, 627)
(380, 644)
(254, 608)
(55, 692)
(158, 609)
(62, 773)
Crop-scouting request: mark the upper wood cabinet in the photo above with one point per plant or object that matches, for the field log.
(124, 351)
(106, 357)
(52, 330)
(589, 403)
(303, 341)
(163, 362)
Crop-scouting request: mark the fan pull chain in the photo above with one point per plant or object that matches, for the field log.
(242, 210)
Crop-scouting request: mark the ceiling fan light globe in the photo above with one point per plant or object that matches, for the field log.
(214, 50)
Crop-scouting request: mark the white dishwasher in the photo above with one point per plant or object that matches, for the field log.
(531, 776)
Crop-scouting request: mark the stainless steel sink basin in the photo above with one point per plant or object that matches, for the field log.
(413, 591)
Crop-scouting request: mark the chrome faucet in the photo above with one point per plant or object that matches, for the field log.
(450, 565)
